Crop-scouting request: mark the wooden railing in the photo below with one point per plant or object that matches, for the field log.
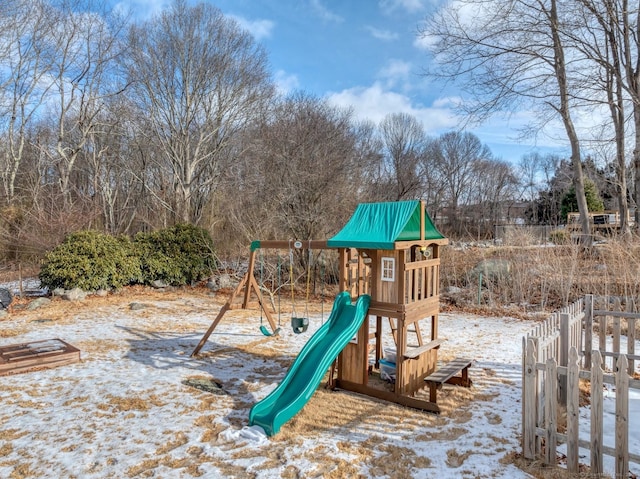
(552, 358)
(422, 280)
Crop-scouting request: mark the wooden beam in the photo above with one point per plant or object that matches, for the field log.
(389, 396)
(422, 220)
(286, 244)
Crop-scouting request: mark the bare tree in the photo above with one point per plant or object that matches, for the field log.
(493, 192)
(509, 54)
(404, 141)
(301, 172)
(454, 156)
(603, 38)
(84, 47)
(24, 64)
(198, 79)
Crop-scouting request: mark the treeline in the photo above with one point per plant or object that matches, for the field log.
(123, 127)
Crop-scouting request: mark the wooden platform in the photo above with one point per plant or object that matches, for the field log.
(49, 353)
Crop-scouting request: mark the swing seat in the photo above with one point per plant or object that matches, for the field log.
(265, 331)
(299, 325)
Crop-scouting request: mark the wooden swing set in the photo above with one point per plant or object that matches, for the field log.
(391, 252)
(242, 296)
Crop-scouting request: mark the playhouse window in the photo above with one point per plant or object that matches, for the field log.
(388, 269)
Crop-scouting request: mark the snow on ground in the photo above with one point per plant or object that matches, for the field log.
(130, 408)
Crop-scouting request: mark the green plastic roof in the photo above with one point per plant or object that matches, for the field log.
(380, 225)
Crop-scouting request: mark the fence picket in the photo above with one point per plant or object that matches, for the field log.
(602, 339)
(551, 412)
(622, 418)
(529, 402)
(588, 330)
(616, 338)
(596, 414)
(564, 355)
(573, 411)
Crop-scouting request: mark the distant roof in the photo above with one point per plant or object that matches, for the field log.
(380, 225)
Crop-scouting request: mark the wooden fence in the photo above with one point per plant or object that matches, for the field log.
(554, 362)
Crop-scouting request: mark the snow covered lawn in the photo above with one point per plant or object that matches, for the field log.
(137, 405)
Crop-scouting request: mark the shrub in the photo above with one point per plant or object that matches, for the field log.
(560, 237)
(90, 260)
(179, 255)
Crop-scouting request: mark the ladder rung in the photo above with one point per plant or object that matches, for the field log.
(408, 330)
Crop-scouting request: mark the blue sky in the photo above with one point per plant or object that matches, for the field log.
(363, 54)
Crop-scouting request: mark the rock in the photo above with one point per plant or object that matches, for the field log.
(5, 298)
(75, 294)
(102, 293)
(493, 269)
(221, 282)
(159, 284)
(38, 303)
(135, 306)
(3, 313)
(58, 292)
(453, 290)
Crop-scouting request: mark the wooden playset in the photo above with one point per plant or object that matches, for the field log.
(391, 252)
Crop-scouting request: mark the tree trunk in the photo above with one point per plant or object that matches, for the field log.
(576, 160)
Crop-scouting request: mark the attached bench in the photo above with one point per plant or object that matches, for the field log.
(447, 374)
(413, 353)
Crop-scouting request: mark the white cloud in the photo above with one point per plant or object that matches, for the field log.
(375, 102)
(142, 9)
(384, 35)
(395, 73)
(500, 132)
(258, 28)
(411, 6)
(325, 13)
(424, 41)
(285, 82)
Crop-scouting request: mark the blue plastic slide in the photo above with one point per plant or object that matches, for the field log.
(308, 369)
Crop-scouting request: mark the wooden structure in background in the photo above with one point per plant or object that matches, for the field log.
(24, 357)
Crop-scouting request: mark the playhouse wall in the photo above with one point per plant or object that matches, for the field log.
(353, 361)
(415, 370)
(387, 291)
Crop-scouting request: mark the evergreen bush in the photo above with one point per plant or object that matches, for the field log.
(182, 254)
(90, 260)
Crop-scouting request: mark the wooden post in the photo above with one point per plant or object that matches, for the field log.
(631, 344)
(588, 330)
(622, 418)
(596, 415)
(602, 335)
(422, 212)
(400, 350)
(247, 291)
(379, 340)
(344, 269)
(573, 411)
(564, 357)
(631, 336)
(616, 338)
(551, 412)
(529, 401)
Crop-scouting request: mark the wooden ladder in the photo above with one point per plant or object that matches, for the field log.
(416, 330)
